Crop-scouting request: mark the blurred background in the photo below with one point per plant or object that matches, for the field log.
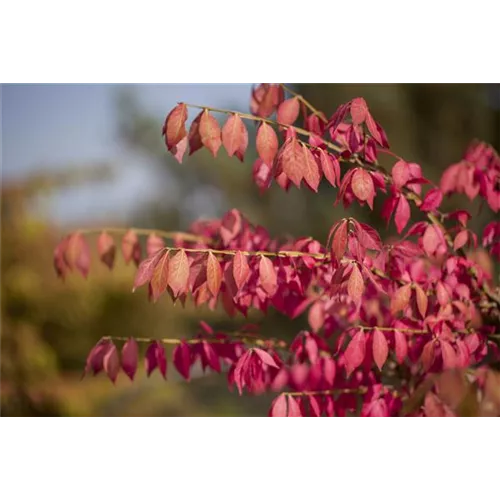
(92, 155)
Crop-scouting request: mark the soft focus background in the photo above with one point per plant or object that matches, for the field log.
(92, 155)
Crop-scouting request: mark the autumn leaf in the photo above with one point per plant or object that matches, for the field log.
(111, 363)
(355, 352)
(400, 174)
(422, 300)
(106, 249)
(130, 353)
(156, 271)
(178, 273)
(174, 128)
(310, 169)
(380, 348)
(267, 143)
(268, 278)
(234, 135)
(362, 186)
(241, 269)
(400, 299)
(402, 215)
(214, 274)
(288, 111)
(210, 133)
(355, 285)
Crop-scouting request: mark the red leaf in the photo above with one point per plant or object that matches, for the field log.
(327, 163)
(241, 269)
(362, 186)
(403, 213)
(194, 136)
(77, 254)
(368, 237)
(422, 300)
(291, 161)
(131, 248)
(111, 363)
(355, 352)
(130, 353)
(211, 357)
(145, 271)
(178, 273)
(210, 133)
(380, 348)
(310, 169)
(449, 355)
(174, 128)
(267, 143)
(329, 371)
(432, 200)
(154, 244)
(339, 242)
(315, 409)
(359, 110)
(288, 111)
(400, 174)
(460, 239)
(293, 408)
(355, 285)
(428, 355)
(155, 358)
(234, 135)
(231, 226)
(106, 249)
(182, 359)
(95, 358)
(214, 274)
(432, 238)
(265, 357)
(278, 407)
(159, 274)
(268, 278)
(400, 299)
(401, 346)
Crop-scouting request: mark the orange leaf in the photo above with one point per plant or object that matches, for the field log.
(159, 278)
(106, 249)
(241, 270)
(268, 278)
(400, 299)
(210, 133)
(340, 240)
(267, 143)
(288, 111)
(355, 285)
(291, 161)
(178, 273)
(310, 168)
(214, 274)
(233, 134)
(362, 186)
(422, 300)
(174, 128)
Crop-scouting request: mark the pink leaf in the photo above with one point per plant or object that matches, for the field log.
(268, 278)
(265, 357)
(288, 111)
(355, 352)
(380, 348)
(403, 213)
(400, 174)
(432, 200)
(267, 143)
(130, 353)
(279, 407)
(182, 359)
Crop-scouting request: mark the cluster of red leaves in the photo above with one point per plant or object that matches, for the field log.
(478, 173)
(383, 318)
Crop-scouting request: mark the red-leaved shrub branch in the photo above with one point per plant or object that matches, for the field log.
(406, 328)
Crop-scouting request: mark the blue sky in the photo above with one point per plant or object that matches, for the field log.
(56, 126)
